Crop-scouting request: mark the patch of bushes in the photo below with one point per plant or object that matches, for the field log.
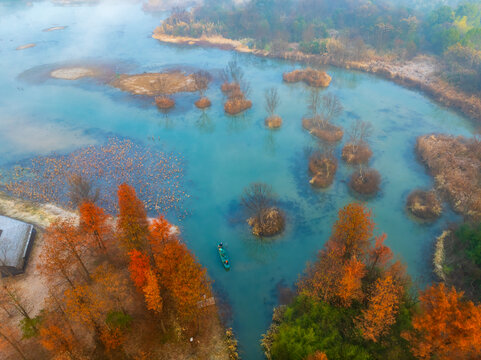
(365, 182)
(424, 205)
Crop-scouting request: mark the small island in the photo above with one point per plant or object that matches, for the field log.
(26, 46)
(357, 150)
(322, 167)
(365, 181)
(424, 205)
(236, 88)
(75, 73)
(272, 121)
(323, 110)
(311, 77)
(264, 216)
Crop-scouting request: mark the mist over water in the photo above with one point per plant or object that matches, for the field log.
(223, 154)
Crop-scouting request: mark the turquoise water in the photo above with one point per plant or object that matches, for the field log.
(223, 154)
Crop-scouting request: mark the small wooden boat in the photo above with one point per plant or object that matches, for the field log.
(223, 256)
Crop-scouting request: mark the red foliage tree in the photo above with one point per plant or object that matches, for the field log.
(132, 224)
(139, 266)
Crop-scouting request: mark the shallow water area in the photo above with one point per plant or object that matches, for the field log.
(223, 154)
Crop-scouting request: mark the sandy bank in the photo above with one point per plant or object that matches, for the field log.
(152, 84)
(420, 73)
(74, 73)
(40, 215)
(209, 41)
(26, 46)
(54, 28)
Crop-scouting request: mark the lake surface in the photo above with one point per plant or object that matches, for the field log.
(222, 154)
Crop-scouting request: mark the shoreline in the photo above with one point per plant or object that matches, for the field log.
(417, 74)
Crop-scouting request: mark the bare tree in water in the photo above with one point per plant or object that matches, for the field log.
(201, 80)
(257, 198)
(331, 108)
(272, 101)
(359, 133)
(81, 190)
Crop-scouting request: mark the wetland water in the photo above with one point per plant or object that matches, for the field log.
(222, 154)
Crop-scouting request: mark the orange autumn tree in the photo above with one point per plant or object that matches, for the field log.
(57, 337)
(64, 248)
(178, 271)
(350, 286)
(318, 355)
(352, 232)
(383, 306)
(93, 222)
(132, 224)
(151, 290)
(446, 327)
(336, 277)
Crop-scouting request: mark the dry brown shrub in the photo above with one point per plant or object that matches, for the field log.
(455, 165)
(203, 103)
(424, 205)
(164, 102)
(271, 222)
(323, 168)
(328, 132)
(227, 88)
(265, 218)
(237, 105)
(273, 122)
(312, 77)
(365, 182)
(356, 154)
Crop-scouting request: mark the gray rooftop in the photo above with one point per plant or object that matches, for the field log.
(15, 241)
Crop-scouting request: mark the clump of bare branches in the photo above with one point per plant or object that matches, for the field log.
(237, 89)
(331, 108)
(323, 110)
(265, 218)
(81, 190)
(272, 102)
(357, 150)
(202, 80)
(162, 100)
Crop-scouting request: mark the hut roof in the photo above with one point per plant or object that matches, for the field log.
(15, 241)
